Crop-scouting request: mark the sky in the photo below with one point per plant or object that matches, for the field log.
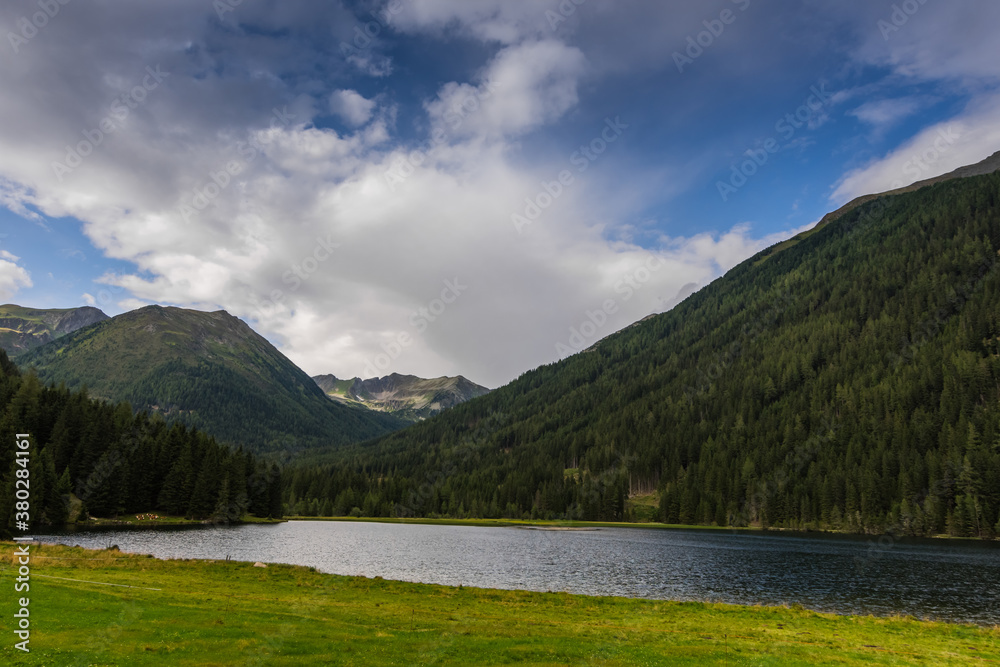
(444, 187)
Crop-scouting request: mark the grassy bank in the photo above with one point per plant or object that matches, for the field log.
(150, 520)
(230, 613)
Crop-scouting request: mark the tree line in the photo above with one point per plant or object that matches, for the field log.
(117, 462)
(849, 381)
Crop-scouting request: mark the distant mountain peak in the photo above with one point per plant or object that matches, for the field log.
(406, 396)
(206, 369)
(23, 328)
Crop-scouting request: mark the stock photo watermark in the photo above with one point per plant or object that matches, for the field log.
(28, 28)
(296, 275)
(420, 320)
(218, 180)
(714, 27)
(595, 320)
(562, 13)
(405, 166)
(582, 159)
(899, 17)
(365, 33)
(786, 128)
(920, 164)
(120, 108)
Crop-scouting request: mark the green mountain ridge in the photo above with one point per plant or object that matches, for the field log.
(208, 370)
(23, 329)
(405, 396)
(849, 382)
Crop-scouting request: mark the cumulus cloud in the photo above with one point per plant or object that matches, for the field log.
(12, 276)
(223, 193)
(524, 86)
(351, 106)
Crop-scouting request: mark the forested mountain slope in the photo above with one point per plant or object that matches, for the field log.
(851, 381)
(208, 370)
(115, 461)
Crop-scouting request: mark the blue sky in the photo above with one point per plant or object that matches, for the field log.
(475, 187)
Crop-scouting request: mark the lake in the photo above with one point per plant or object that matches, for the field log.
(952, 580)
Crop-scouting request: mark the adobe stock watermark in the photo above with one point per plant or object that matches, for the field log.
(714, 27)
(106, 295)
(120, 108)
(29, 27)
(919, 164)
(464, 453)
(565, 10)
(405, 166)
(420, 320)
(582, 159)
(594, 320)
(786, 127)
(296, 275)
(364, 34)
(899, 17)
(218, 180)
(706, 375)
(932, 325)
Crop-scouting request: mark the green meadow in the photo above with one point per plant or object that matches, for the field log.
(201, 612)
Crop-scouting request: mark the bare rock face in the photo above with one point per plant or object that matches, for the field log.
(405, 396)
(23, 329)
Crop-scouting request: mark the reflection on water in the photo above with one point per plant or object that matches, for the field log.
(946, 580)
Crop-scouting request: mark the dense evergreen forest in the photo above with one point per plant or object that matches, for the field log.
(117, 462)
(849, 380)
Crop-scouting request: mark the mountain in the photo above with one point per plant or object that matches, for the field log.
(93, 457)
(850, 381)
(23, 329)
(208, 370)
(405, 396)
(988, 166)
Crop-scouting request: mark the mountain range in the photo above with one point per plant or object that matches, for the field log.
(23, 329)
(405, 396)
(208, 370)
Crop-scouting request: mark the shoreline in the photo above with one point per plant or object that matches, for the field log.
(556, 524)
(121, 608)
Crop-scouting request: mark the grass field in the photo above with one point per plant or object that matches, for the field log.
(196, 612)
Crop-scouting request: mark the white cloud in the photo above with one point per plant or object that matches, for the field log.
(883, 114)
(524, 86)
(12, 276)
(966, 139)
(951, 45)
(351, 106)
(306, 239)
(503, 21)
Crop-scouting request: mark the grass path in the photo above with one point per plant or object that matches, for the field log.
(232, 613)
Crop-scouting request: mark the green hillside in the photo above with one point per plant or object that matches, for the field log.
(23, 329)
(208, 370)
(851, 381)
(77, 455)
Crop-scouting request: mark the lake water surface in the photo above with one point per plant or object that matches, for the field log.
(946, 580)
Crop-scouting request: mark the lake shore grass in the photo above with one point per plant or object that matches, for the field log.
(203, 612)
(151, 520)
